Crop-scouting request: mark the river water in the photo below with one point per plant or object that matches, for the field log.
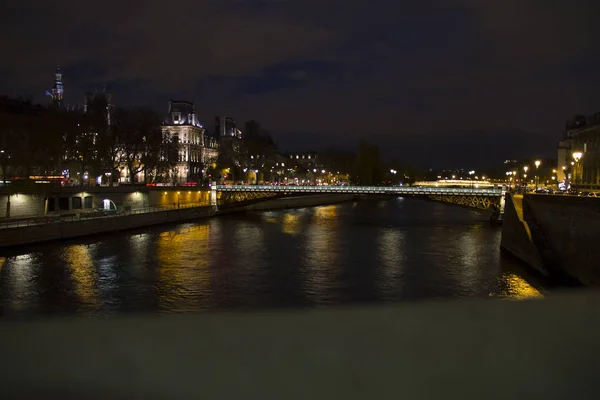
(364, 252)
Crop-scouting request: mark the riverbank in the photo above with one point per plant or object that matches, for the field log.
(556, 235)
(58, 230)
(71, 229)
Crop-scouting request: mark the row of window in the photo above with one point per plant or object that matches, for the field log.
(297, 156)
(62, 203)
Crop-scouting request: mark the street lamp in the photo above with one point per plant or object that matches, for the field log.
(576, 156)
(525, 169)
(537, 178)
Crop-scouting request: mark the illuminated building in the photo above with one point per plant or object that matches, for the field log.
(196, 149)
(230, 139)
(307, 160)
(57, 89)
(582, 135)
(100, 105)
(225, 127)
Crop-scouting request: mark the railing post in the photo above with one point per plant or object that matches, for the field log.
(213, 196)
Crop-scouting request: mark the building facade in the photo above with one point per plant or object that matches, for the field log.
(307, 159)
(195, 149)
(230, 140)
(57, 89)
(225, 127)
(582, 136)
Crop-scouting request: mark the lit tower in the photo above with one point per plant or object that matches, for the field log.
(57, 89)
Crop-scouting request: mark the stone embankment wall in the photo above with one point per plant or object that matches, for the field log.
(72, 229)
(55, 201)
(84, 227)
(557, 235)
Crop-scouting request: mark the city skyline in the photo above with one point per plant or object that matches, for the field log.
(453, 81)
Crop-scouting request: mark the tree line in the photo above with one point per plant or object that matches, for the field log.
(38, 140)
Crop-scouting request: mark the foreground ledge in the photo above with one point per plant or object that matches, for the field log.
(460, 349)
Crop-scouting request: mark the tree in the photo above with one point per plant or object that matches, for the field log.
(159, 158)
(19, 134)
(135, 129)
(368, 166)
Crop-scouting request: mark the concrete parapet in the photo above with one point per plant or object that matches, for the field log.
(562, 234)
(93, 226)
(516, 235)
(458, 349)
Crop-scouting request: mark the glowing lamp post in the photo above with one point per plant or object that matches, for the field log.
(537, 176)
(576, 156)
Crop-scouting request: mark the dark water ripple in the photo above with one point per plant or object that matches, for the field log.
(364, 252)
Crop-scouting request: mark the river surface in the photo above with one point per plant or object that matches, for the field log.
(364, 252)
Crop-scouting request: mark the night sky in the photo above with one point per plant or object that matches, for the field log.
(457, 83)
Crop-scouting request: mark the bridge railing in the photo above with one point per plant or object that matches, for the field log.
(360, 189)
(24, 222)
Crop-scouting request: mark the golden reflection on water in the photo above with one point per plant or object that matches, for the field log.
(183, 261)
(2, 261)
(513, 287)
(327, 215)
(83, 273)
(291, 223)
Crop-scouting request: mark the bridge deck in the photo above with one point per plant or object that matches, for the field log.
(496, 192)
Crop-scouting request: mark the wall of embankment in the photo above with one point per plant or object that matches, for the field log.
(84, 227)
(557, 235)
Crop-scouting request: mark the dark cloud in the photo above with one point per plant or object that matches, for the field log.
(287, 75)
(340, 69)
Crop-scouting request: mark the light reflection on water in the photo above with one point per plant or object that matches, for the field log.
(515, 287)
(83, 274)
(182, 262)
(391, 259)
(373, 251)
(321, 256)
